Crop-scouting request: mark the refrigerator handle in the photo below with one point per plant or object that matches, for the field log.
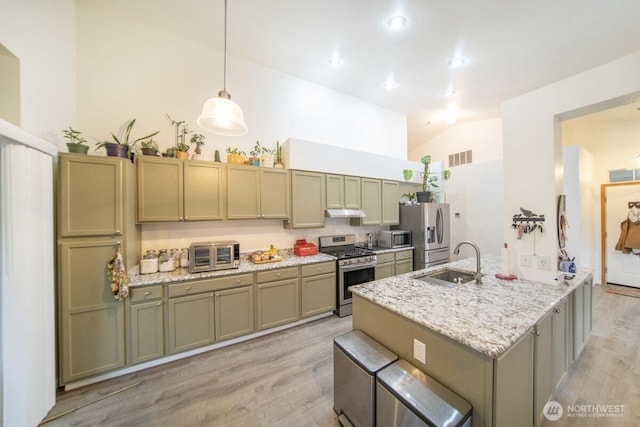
(439, 225)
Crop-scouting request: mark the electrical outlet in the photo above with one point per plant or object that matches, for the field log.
(544, 262)
(526, 260)
(419, 351)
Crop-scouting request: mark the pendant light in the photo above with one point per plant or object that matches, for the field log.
(220, 114)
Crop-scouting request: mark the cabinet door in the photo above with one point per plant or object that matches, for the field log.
(390, 206)
(91, 321)
(91, 196)
(318, 294)
(191, 322)
(308, 199)
(543, 365)
(559, 332)
(160, 186)
(404, 266)
(352, 192)
(275, 193)
(203, 191)
(587, 313)
(335, 191)
(578, 321)
(278, 303)
(371, 201)
(234, 313)
(385, 270)
(147, 331)
(243, 192)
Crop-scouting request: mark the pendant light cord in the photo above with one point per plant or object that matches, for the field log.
(224, 78)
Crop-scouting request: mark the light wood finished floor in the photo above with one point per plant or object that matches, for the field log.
(286, 379)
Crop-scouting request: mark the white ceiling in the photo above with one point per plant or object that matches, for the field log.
(512, 46)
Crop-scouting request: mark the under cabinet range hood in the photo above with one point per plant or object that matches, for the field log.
(344, 213)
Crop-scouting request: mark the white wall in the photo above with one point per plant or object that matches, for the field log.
(126, 70)
(483, 137)
(41, 34)
(532, 147)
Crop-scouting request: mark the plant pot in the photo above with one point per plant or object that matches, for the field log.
(77, 148)
(278, 165)
(196, 156)
(182, 155)
(267, 160)
(116, 150)
(423, 196)
(237, 159)
(254, 161)
(149, 151)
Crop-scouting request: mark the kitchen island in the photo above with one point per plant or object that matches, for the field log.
(479, 339)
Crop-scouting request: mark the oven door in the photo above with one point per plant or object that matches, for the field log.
(351, 275)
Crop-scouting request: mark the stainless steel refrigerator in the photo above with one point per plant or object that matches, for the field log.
(430, 232)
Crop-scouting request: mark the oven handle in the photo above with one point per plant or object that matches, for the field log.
(358, 266)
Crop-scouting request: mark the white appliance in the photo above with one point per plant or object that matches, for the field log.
(429, 224)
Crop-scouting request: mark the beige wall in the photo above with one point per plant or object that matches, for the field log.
(9, 86)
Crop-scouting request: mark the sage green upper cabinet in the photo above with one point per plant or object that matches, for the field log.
(343, 192)
(243, 192)
(352, 189)
(335, 191)
(275, 193)
(371, 201)
(91, 196)
(308, 199)
(254, 192)
(390, 207)
(179, 190)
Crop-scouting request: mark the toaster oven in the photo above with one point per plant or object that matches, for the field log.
(210, 256)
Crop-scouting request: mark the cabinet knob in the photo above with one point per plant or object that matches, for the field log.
(188, 288)
(118, 233)
(211, 294)
(186, 218)
(278, 274)
(557, 310)
(536, 333)
(237, 281)
(146, 294)
(158, 305)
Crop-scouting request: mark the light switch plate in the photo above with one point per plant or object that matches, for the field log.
(419, 351)
(526, 260)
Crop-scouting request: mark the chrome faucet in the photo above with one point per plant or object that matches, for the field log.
(456, 251)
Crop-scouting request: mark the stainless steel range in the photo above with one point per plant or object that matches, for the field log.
(355, 266)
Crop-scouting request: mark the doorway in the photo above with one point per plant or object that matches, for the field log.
(620, 215)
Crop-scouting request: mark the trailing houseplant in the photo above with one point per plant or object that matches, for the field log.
(122, 145)
(429, 181)
(149, 147)
(76, 141)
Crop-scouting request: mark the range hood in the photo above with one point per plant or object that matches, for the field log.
(344, 213)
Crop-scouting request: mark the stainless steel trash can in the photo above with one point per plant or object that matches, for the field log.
(356, 359)
(407, 397)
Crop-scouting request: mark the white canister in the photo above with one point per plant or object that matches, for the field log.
(148, 265)
(184, 258)
(166, 262)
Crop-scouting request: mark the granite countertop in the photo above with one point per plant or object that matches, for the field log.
(488, 318)
(246, 266)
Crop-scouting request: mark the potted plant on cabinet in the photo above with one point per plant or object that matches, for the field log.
(149, 147)
(76, 141)
(198, 140)
(267, 157)
(171, 152)
(279, 161)
(182, 151)
(254, 160)
(122, 146)
(429, 181)
(235, 156)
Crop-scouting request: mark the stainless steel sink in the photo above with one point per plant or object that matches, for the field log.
(448, 276)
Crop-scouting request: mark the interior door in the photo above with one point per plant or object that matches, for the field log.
(619, 268)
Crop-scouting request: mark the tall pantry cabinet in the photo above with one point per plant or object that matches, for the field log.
(95, 217)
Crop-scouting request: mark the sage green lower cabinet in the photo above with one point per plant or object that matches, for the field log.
(278, 298)
(318, 288)
(385, 266)
(191, 322)
(581, 320)
(543, 368)
(234, 313)
(146, 324)
(559, 334)
(404, 261)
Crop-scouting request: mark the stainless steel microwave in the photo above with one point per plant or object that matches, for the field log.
(210, 256)
(394, 239)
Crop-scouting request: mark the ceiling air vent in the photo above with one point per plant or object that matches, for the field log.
(461, 158)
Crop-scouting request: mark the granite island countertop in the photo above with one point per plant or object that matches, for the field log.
(488, 318)
(246, 266)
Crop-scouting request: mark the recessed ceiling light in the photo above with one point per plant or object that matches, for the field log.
(457, 62)
(390, 84)
(449, 92)
(335, 62)
(396, 22)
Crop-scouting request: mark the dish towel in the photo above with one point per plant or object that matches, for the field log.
(118, 279)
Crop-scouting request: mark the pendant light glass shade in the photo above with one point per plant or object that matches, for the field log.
(636, 162)
(221, 115)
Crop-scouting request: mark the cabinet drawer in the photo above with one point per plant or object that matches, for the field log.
(404, 255)
(386, 257)
(146, 293)
(320, 268)
(190, 288)
(279, 274)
